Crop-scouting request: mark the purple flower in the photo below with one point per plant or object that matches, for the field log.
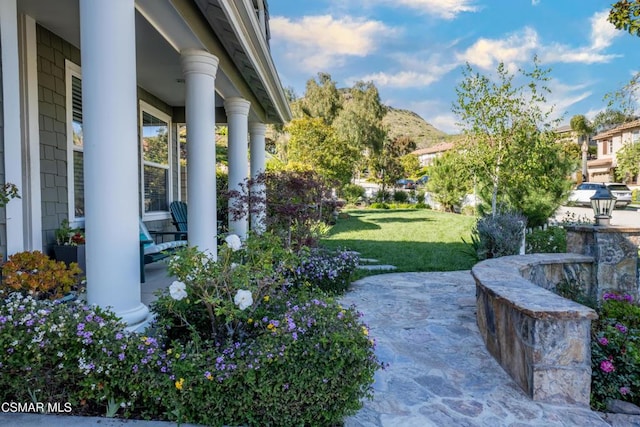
(624, 391)
(121, 356)
(607, 366)
(603, 341)
(621, 328)
(119, 336)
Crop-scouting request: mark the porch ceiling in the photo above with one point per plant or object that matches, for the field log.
(161, 32)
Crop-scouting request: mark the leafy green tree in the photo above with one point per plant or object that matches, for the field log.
(608, 119)
(321, 99)
(508, 139)
(628, 162)
(387, 164)
(625, 15)
(314, 143)
(359, 123)
(450, 179)
(410, 164)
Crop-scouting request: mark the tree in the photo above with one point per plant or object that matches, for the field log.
(314, 143)
(509, 142)
(625, 15)
(321, 99)
(387, 164)
(359, 123)
(450, 179)
(608, 119)
(628, 162)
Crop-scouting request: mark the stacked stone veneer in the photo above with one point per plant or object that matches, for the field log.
(541, 339)
(615, 251)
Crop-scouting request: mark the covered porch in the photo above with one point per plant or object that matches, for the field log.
(95, 97)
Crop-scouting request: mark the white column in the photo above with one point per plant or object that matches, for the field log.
(199, 69)
(257, 150)
(12, 134)
(237, 119)
(107, 36)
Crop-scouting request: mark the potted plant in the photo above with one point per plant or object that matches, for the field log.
(69, 245)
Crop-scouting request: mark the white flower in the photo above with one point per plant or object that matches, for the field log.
(233, 241)
(243, 299)
(178, 290)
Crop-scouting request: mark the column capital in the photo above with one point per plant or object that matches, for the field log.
(237, 105)
(196, 61)
(257, 128)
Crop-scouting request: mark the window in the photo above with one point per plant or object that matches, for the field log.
(156, 160)
(75, 145)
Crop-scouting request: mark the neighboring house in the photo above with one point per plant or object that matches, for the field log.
(427, 155)
(609, 143)
(93, 97)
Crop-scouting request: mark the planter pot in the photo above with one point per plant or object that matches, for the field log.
(69, 254)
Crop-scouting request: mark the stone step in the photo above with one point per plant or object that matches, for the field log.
(368, 260)
(377, 267)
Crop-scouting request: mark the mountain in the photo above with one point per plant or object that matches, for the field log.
(404, 122)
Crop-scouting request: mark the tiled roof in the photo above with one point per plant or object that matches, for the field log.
(617, 129)
(438, 148)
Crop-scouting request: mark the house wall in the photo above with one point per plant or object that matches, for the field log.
(3, 217)
(52, 53)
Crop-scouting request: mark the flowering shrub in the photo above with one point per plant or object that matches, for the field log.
(214, 299)
(328, 270)
(77, 354)
(498, 235)
(615, 352)
(290, 374)
(35, 274)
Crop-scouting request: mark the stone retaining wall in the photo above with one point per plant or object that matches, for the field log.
(541, 339)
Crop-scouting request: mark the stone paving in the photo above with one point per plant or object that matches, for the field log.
(439, 372)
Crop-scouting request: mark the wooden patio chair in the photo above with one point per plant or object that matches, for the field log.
(179, 216)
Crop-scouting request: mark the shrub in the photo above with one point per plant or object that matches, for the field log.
(400, 196)
(33, 273)
(352, 192)
(73, 353)
(498, 235)
(378, 205)
(550, 240)
(615, 354)
(311, 364)
(328, 270)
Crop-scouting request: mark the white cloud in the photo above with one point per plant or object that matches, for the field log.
(563, 96)
(447, 9)
(417, 73)
(601, 37)
(513, 49)
(602, 31)
(317, 42)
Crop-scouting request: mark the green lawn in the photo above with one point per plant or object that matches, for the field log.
(412, 240)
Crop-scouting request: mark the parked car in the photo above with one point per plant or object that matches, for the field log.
(581, 196)
(407, 184)
(422, 180)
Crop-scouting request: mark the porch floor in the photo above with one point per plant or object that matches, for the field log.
(157, 277)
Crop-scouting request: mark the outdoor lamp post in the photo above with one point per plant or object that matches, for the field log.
(602, 203)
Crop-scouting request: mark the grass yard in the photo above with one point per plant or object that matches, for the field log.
(410, 239)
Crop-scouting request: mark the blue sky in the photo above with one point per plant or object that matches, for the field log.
(414, 50)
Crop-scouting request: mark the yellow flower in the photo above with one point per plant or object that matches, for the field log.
(271, 326)
(179, 383)
(266, 298)
(365, 331)
(209, 376)
(249, 320)
(169, 351)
